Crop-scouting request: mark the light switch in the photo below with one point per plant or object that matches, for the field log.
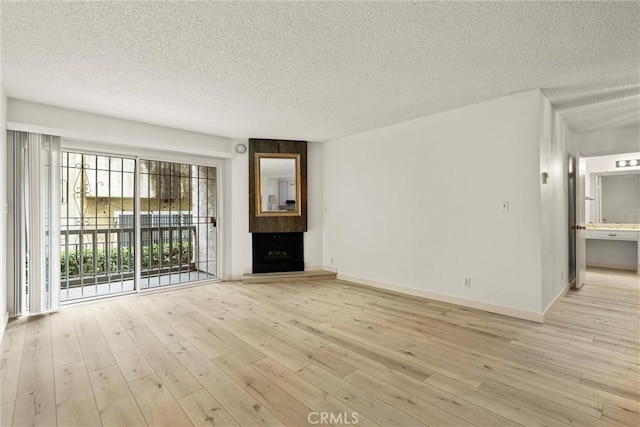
(505, 206)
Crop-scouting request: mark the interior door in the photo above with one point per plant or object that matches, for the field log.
(581, 223)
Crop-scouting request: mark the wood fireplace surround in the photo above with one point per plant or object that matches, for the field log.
(277, 241)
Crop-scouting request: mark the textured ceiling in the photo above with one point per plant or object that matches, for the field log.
(320, 70)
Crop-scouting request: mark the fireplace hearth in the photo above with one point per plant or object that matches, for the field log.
(277, 252)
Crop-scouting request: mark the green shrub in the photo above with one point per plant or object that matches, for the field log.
(151, 256)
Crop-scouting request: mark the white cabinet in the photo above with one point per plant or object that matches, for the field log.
(612, 234)
(619, 235)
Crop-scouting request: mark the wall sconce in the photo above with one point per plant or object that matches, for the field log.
(545, 177)
(627, 163)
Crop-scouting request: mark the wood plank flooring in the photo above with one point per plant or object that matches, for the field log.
(298, 353)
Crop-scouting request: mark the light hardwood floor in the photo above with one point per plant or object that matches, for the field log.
(233, 354)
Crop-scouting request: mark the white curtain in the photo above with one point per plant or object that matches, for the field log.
(34, 217)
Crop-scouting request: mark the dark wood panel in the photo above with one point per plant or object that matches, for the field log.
(277, 224)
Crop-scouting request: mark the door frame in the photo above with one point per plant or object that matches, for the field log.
(221, 165)
(581, 224)
(572, 217)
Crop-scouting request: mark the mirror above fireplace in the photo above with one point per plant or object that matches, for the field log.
(277, 184)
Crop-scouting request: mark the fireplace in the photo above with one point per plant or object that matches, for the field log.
(277, 252)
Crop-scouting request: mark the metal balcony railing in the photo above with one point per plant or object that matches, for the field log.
(104, 255)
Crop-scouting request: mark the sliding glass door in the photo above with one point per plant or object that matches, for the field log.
(119, 214)
(177, 223)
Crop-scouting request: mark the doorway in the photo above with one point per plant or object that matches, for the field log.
(129, 224)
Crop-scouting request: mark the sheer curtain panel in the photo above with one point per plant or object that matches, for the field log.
(34, 222)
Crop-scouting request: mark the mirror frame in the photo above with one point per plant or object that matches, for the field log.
(258, 192)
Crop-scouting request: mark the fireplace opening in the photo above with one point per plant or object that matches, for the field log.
(277, 252)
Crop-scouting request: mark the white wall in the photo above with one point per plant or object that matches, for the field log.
(556, 142)
(313, 240)
(417, 205)
(4, 253)
(241, 238)
(87, 126)
(608, 163)
(609, 141)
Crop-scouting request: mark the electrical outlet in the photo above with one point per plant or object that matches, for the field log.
(467, 282)
(332, 263)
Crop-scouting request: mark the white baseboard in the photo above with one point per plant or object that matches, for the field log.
(547, 311)
(628, 267)
(492, 308)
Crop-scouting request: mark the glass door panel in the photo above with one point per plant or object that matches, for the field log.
(177, 223)
(96, 246)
